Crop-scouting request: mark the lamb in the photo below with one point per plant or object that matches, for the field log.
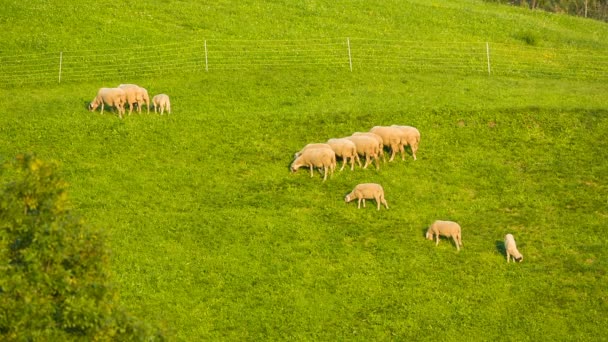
(368, 147)
(161, 101)
(410, 137)
(114, 97)
(447, 229)
(364, 191)
(345, 149)
(391, 138)
(511, 249)
(323, 158)
(136, 94)
(378, 139)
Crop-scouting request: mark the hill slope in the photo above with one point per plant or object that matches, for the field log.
(213, 238)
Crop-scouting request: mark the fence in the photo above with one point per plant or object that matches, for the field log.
(348, 54)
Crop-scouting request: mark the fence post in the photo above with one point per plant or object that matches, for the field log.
(488, 55)
(206, 61)
(60, 63)
(350, 60)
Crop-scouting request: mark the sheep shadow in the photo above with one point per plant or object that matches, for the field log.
(500, 247)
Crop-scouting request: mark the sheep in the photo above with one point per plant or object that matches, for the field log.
(410, 137)
(136, 94)
(391, 138)
(310, 146)
(378, 139)
(161, 101)
(511, 249)
(368, 147)
(345, 149)
(114, 97)
(447, 229)
(364, 191)
(323, 158)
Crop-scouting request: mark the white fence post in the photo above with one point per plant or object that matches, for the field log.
(350, 60)
(488, 54)
(60, 63)
(206, 61)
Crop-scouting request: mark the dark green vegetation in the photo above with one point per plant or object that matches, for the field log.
(55, 279)
(213, 238)
(596, 9)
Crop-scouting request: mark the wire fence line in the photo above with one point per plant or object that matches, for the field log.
(348, 54)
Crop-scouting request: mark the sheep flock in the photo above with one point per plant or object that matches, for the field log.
(131, 95)
(368, 148)
(360, 148)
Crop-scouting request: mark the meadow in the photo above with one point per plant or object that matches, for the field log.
(213, 238)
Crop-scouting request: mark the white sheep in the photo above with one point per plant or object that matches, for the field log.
(511, 249)
(378, 139)
(410, 137)
(136, 94)
(113, 97)
(364, 191)
(345, 149)
(161, 101)
(448, 229)
(367, 147)
(322, 158)
(391, 138)
(311, 146)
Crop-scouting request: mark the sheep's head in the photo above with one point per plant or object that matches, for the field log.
(293, 167)
(92, 106)
(348, 198)
(429, 235)
(520, 259)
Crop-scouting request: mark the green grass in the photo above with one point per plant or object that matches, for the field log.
(213, 238)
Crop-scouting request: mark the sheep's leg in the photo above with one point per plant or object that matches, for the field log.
(358, 159)
(377, 162)
(359, 204)
(311, 171)
(378, 202)
(367, 160)
(456, 241)
(344, 160)
(393, 152)
(437, 239)
(325, 174)
(102, 105)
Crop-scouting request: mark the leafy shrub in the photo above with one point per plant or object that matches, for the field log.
(53, 267)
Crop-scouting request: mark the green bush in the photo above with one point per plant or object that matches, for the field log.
(53, 267)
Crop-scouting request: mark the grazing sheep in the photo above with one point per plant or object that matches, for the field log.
(136, 94)
(161, 101)
(345, 149)
(322, 158)
(391, 138)
(511, 249)
(367, 147)
(113, 97)
(411, 138)
(378, 139)
(364, 191)
(311, 146)
(447, 229)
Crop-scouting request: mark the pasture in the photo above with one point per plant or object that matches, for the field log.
(213, 238)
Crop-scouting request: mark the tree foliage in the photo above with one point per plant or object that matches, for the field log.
(54, 268)
(596, 9)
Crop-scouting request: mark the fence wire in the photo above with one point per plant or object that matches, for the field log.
(348, 54)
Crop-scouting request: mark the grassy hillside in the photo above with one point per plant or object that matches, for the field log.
(214, 239)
